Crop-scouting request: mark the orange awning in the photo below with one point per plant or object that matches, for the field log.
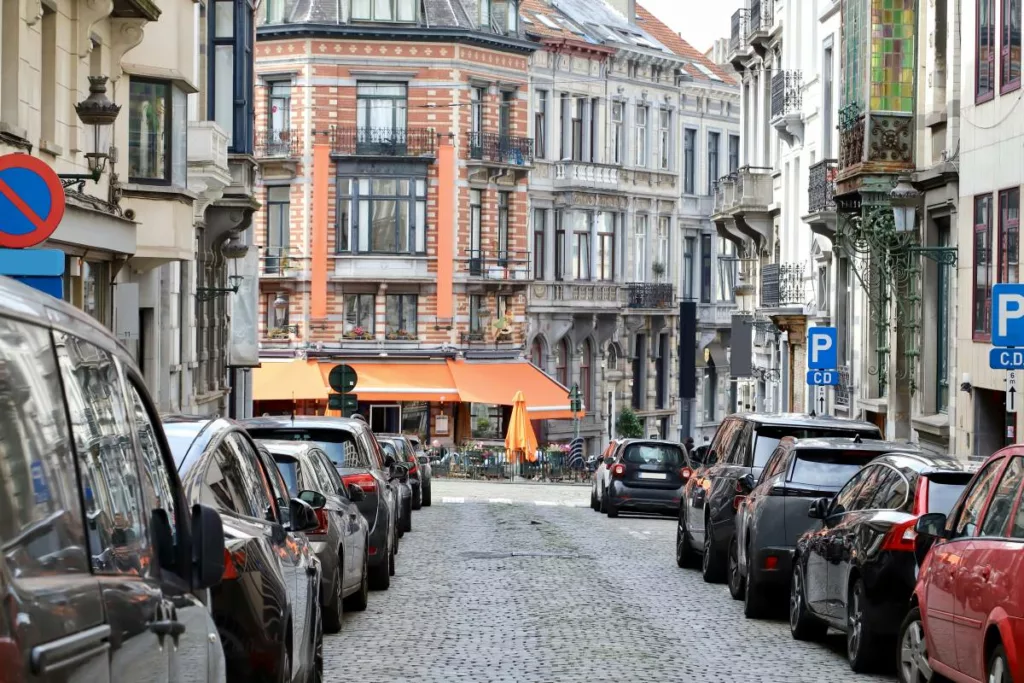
(397, 381)
(288, 380)
(497, 382)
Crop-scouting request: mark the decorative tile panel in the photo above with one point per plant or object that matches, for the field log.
(892, 55)
(892, 139)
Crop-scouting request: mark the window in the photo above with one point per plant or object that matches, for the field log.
(640, 249)
(967, 522)
(504, 199)
(662, 256)
(727, 265)
(586, 378)
(1008, 239)
(942, 328)
(565, 139)
(983, 267)
(640, 156)
(384, 10)
(382, 215)
(280, 117)
(616, 136)
(713, 142)
(508, 98)
(156, 133)
(359, 315)
(537, 353)
(278, 210)
(477, 312)
(606, 223)
(581, 245)
(381, 111)
(985, 51)
(998, 514)
(1009, 77)
(664, 139)
(540, 123)
(476, 264)
(705, 269)
(734, 153)
(400, 316)
(156, 480)
(559, 245)
(689, 250)
(230, 71)
(477, 97)
(48, 74)
(663, 374)
(576, 129)
(562, 363)
(540, 222)
(847, 497)
(689, 161)
(891, 491)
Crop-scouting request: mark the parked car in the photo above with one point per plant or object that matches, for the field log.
(601, 478)
(400, 480)
(646, 475)
(406, 454)
(966, 618)
(426, 471)
(340, 539)
(358, 457)
(266, 608)
(98, 585)
(742, 445)
(773, 515)
(857, 572)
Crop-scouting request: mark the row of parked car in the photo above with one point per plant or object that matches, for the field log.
(914, 556)
(147, 548)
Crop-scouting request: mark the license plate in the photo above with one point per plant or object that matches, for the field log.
(653, 475)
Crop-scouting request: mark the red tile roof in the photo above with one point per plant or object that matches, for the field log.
(672, 41)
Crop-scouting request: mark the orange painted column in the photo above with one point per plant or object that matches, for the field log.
(318, 243)
(446, 193)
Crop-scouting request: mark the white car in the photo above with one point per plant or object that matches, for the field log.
(601, 479)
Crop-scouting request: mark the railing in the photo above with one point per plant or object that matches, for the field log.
(650, 295)
(501, 264)
(501, 148)
(821, 186)
(275, 261)
(384, 142)
(760, 17)
(280, 144)
(844, 388)
(787, 92)
(782, 285)
(752, 186)
(576, 292)
(738, 35)
(586, 174)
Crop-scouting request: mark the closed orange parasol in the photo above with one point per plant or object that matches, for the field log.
(519, 439)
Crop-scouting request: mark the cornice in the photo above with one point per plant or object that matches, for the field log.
(398, 32)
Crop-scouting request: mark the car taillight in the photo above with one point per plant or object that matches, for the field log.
(364, 481)
(736, 502)
(771, 562)
(324, 524)
(921, 496)
(412, 469)
(618, 470)
(685, 473)
(901, 536)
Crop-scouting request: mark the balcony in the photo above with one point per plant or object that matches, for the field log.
(787, 103)
(278, 152)
(277, 264)
(378, 267)
(821, 203)
(650, 295)
(383, 142)
(717, 315)
(759, 26)
(500, 267)
(782, 286)
(501, 152)
(742, 205)
(874, 143)
(576, 296)
(738, 45)
(585, 175)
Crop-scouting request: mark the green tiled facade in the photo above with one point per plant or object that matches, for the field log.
(892, 55)
(854, 46)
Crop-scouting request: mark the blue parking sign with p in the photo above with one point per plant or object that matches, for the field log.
(822, 353)
(1008, 314)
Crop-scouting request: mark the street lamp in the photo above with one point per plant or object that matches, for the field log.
(97, 113)
(904, 198)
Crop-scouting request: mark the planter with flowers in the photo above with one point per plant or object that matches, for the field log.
(400, 335)
(358, 333)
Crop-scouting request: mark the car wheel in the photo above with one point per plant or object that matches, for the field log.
(711, 564)
(912, 660)
(593, 498)
(685, 557)
(737, 583)
(426, 497)
(380, 576)
(998, 668)
(860, 642)
(334, 609)
(391, 560)
(802, 624)
(753, 599)
(611, 509)
(602, 502)
(358, 601)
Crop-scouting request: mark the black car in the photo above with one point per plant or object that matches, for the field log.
(774, 514)
(857, 571)
(266, 607)
(407, 456)
(341, 537)
(358, 457)
(104, 561)
(645, 475)
(742, 446)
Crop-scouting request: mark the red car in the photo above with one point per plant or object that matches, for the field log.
(967, 615)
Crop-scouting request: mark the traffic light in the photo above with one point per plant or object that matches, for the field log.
(575, 400)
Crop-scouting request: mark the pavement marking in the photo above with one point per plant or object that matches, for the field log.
(453, 500)
(575, 503)
(545, 503)
(502, 501)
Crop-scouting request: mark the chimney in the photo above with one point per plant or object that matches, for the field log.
(626, 8)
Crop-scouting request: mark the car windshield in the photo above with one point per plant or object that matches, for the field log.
(768, 437)
(653, 454)
(339, 444)
(289, 469)
(944, 489)
(828, 469)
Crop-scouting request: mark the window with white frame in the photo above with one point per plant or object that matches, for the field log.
(607, 223)
(641, 135)
(662, 254)
(617, 140)
(581, 245)
(384, 10)
(382, 215)
(664, 139)
(640, 249)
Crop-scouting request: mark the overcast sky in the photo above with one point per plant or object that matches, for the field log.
(699, 21)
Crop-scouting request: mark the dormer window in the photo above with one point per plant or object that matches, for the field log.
(499, 16)
(384, 10)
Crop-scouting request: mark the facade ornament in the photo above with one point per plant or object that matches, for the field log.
(33, 11)
(125, 35)
(90, 13)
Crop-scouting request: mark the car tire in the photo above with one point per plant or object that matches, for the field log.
(593, 498)
(686, 558)
(358, 601)
(380, 576)
(417, 502)
(802, 624)
(861, 645)
(391, 560)
(407, 524)
(737, 582)
(611, 509)
(753, 599)
(712, 566)
(912, 664)
(998, 669)
(334, 610)
(316, 671)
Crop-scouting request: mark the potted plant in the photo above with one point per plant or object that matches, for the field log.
(658, 268)
(358, 332)
(278, 333)
(399, 334)
(628, 425)
(483, 425)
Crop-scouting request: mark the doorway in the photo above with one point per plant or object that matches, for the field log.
(386, 419)
(992, 428)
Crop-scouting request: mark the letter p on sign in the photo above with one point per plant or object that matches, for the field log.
(821, 348)
(1008, 305)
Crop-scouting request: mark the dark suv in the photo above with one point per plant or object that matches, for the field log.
(742, 445)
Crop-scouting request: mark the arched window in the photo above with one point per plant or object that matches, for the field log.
(537, 353)
(586, 378)
(562, 363)
(612, 361)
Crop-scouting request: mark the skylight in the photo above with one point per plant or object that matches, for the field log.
(706, 71)
(547, 22)
(527, 19)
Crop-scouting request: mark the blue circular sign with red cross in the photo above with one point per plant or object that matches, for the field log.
(31, 201)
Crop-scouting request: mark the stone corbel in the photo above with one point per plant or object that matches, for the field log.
(582, 328)
(33, 11)
(555, 328)
(225, 222)
(90, 13)
(605, 326)
(125, 35)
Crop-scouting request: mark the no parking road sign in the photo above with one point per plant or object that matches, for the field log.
(31, 208)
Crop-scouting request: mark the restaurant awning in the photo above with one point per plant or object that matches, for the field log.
(286, 380)
(497, 382)
(398, 381)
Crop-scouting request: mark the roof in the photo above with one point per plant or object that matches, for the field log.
(540, 19)
(674, 42)
(608, 26)
(458, 14)
(805, 420)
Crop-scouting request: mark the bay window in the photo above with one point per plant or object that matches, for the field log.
(359, 315)
(382, 215)
(606, 229)
(400, 316)
(384, 10)
(157, 132)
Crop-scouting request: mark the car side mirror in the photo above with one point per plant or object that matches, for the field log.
(303, 516)
(389, 461)
(608, 461)
(315, 499)
(932, 525)
(356, 493)
(747, 482)
(207, 547)
(818, 508)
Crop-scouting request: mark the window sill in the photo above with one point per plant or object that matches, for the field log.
(15, 136)
(987, 97)
(147, 191)
(982, 337)
(51, 148)
(1010, 87)
(935, 425)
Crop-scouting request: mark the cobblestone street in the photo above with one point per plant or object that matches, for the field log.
(503, 582)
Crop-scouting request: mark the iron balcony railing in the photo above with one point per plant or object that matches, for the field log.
(501, 148)
(782, 285)
(821, 186)
(280, 144)
(738, 35)
(650, 295)
(760, 17)
(787, 92)
(385, 142)
(275, 261)
(499, 264)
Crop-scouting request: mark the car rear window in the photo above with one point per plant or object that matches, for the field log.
(340, 445)
(828, 469)
(944, 489)
(653, 454)
(768, 437)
